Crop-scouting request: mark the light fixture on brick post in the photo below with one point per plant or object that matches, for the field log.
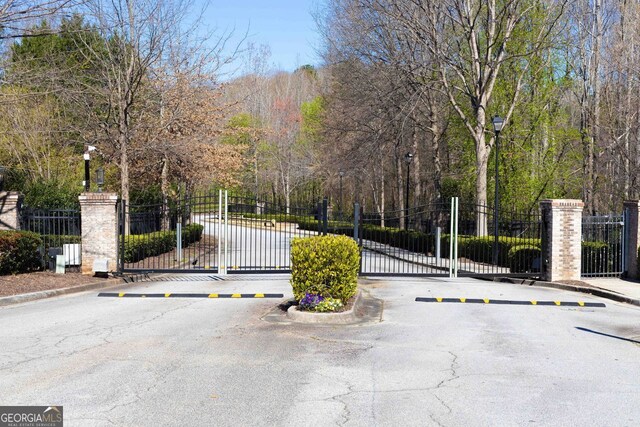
(100, 179)
(87, 177)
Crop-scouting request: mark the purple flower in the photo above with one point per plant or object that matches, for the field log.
(309, 301)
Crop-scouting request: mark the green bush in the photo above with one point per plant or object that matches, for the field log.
(595, 257)
(521, 258)
(19, 252)
(478, 249)
(192, 233)
(325, 265)
(140, 246)
(329, 304)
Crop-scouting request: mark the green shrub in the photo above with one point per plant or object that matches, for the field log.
(595, 257)
(325, 265)
(192, 233)
(19, 252)
(478, 249)
(521, 258)
(140, 246)
(328, 304)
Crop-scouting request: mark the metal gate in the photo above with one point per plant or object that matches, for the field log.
(60, 232)
(451, 239)
(214, 232)
(604, 248)
(224, 234)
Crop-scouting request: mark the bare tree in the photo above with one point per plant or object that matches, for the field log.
(17, 17)
(137, 37)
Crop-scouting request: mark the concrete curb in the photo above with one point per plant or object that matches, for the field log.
(599, 292)
(342, 318)
(34, 296)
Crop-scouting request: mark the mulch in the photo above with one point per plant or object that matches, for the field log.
(42, 281)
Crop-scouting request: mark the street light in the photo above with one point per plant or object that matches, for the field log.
(100, 179)
(498, 124)
(407, 158)
(341, 173)
(87, 176)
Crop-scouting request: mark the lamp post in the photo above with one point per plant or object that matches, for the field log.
(498, 123)
(341, 173)
(87, 175)
(407, 158)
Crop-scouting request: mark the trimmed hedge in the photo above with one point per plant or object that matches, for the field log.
(325, 265)
(521, 258)
(595, 257)
(19, 252)
(140, 246)
(480, 249)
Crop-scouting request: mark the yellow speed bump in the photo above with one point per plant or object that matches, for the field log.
(185, 295)
(511, 302)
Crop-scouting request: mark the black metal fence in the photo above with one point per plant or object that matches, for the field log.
(603, 245)
(61, 234)
(419, 241)
(212, 232)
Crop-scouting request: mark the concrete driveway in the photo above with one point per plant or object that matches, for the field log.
(203, 361)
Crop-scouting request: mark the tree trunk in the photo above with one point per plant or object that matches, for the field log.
(400, 189)
(417, 194)
(164, 185)
(124, 174)
(482, 161)
(435, 147)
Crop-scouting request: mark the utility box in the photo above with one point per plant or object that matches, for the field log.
(52, 253)
(72, 254)
(101, 267)
(60, 264)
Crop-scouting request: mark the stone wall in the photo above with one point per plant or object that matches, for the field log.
(10, 203)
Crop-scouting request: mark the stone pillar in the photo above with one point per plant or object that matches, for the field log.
(562, 239)
(99, 229)
(10, 204)
(632, 230)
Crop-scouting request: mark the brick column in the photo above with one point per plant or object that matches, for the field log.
(10, 204)
(632, 229)
(562, 239)
(99, 229)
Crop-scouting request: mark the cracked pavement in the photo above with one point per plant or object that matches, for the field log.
(201, 362)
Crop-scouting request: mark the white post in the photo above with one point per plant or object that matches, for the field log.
(179, 241)
(451, 237)
(455, 246)
(219, 234)
(226, 231)
(438, 236)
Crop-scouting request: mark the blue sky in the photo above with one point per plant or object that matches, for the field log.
(287, 26)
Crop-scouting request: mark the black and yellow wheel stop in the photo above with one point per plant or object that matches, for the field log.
(186, 295)
(511, 302)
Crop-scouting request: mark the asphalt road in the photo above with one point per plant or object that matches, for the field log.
(203, 362)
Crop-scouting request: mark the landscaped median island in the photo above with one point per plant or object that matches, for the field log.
(324, 278)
